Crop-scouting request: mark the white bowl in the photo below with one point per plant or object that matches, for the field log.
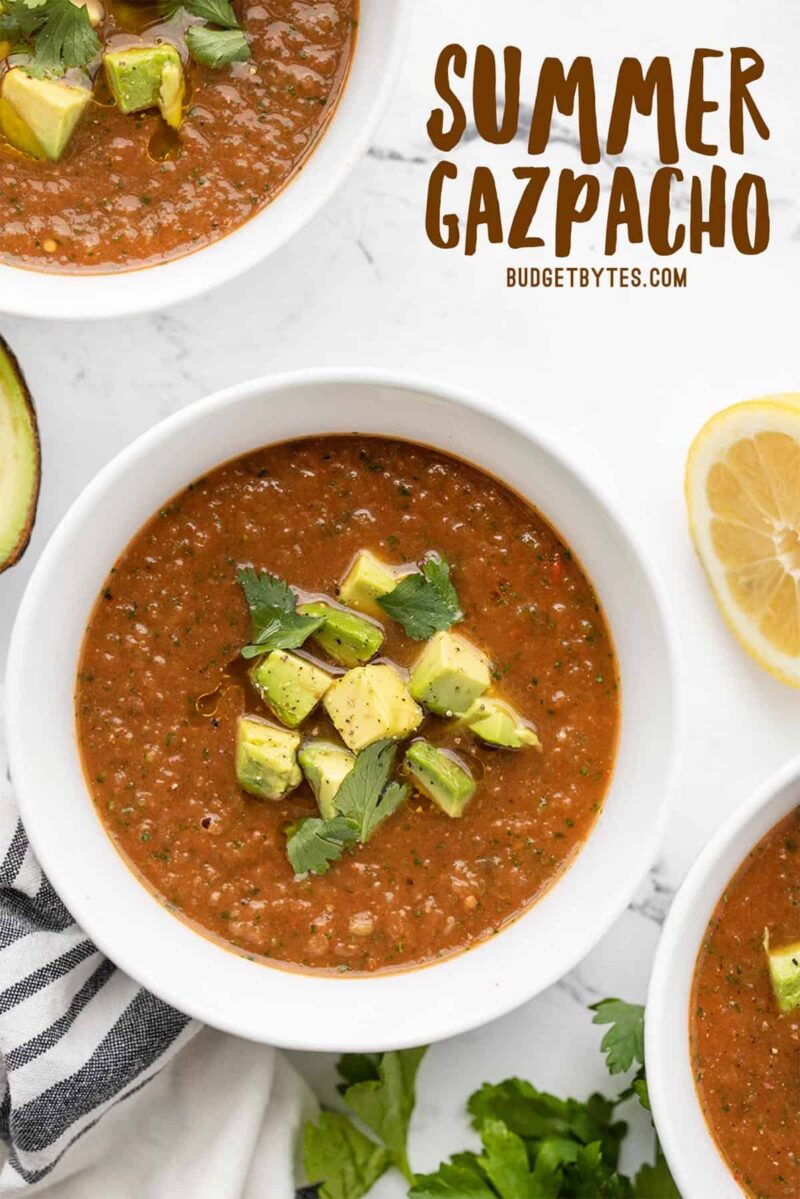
(379, 45)
(694, 1159)
(200, 977)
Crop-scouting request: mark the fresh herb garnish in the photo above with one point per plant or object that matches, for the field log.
(364, 801)
(364, 796)
(335, 1150)
(380, 1089)
(623, 1044)
(273, 612)
(216, 47)
(425, 602)
(534, 1145)
(216, 12)
(56, 33)
(314, 843)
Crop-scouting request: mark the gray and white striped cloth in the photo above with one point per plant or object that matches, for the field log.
(77, 1036)
(79, 1044)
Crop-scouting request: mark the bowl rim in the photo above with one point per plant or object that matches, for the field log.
(661, 1052)
(453, 396)
(76, 296)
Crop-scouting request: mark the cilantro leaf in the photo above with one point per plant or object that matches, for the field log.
(66, 39)
(426, 602)
(656, 1182)
(346, 1162)
(56, 33)
(20, 19)
(623, 1044)
(385, 1103)
(357, 1067)
(314, 843)
(460, 1178)
(273, 612)
(505, 1160)
(547, 1120)
(364, 796)
(589, 1177)
(216, 47)
(217, 12)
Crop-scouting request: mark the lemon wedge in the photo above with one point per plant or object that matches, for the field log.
(743, 496)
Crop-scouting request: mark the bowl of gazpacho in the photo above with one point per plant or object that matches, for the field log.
(359, 711)
(151, 149)
(723, 1013)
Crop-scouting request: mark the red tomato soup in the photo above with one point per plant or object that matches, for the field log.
(745, 1050)
(134, 187)
(162, 689)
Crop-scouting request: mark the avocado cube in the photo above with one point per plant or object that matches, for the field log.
(290, 686)
(498, 724)
(365, 582)
(266, 758)
(345, 637)
(784, 974)
(39, 116)
(440, 776)
(147, 77)
(449, 675)
(369, 703)
(325, 766)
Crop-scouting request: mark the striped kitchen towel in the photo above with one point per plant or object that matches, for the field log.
(77, 1036)
(88, 1109)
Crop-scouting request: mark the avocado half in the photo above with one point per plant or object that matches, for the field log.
(20, 461)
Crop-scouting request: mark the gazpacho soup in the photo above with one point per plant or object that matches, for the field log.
(136, 131)
(348, 704)
(745, 1018)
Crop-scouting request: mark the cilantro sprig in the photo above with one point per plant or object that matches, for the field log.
(314, 843)
(273, 612)
(57, 34)
(533, 1145)
(425, 602)
(364, 800)
(215, 47)
(380, 1090)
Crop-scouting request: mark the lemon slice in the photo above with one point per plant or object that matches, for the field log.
(743, 495)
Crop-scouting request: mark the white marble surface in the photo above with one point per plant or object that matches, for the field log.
(628, 376)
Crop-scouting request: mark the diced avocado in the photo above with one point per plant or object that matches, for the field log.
(147, 77)
(369, 703)
(498, 724)
(20, 460)
(784, 974)
(345, 637)
(171, 94)
(266, 758)
(38, 116)
(325, 766)
(440, 777)
(290, 686)
(449, 675)
(366, 580)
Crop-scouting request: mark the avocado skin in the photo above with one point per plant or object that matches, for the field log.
(440, 777)
(12, 379)
(346, 638)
